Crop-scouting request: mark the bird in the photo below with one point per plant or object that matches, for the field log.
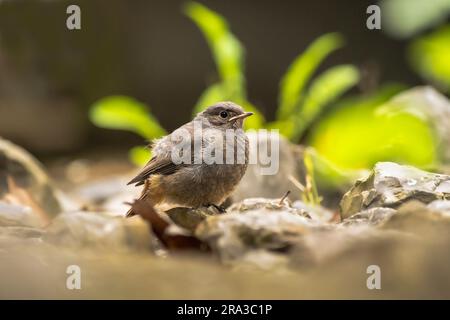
(197, 183)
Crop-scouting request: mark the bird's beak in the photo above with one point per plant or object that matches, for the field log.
(241, 116)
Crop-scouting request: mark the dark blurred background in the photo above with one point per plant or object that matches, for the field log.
(50, 76)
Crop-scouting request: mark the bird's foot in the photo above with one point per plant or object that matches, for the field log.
(219, 208)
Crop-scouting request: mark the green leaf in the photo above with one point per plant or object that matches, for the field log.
(229, 58)
(355, 134)
(139, 155)
(429, 56)
(227, 50)
(125, 113)
(299, 72)
(324, 90)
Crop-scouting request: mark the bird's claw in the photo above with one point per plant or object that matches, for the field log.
(219, 208)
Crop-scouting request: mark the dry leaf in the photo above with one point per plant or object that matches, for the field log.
(171, 235)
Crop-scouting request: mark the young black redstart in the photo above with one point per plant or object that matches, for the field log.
(198, 181)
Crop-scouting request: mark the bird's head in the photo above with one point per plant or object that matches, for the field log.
(226, 115)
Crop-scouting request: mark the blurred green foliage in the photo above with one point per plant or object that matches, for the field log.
(351, 136)
(228, 55)
(125, 113)
(295, 112)
(310, 194)
(429, 55)
(406, 18)
(300, 71)
(362, 131)
(325, 89)
(298, 105)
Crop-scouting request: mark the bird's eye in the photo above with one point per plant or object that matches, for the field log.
(224, 114)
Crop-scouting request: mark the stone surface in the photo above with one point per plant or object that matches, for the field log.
(18, 215)
(19, 233)
(390, 185)
(28, 174)
(274, 250)
(254, 225)
(99, 231)
(189, 218)
(326, 245)
(372, 216)
(316, 212)
(272, 247)
(111, 194)
(442, 206)
(266, 204)
(423, 220)
(268, 235)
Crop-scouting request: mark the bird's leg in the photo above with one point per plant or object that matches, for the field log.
(219, 208)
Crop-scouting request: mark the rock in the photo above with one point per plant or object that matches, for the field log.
(373, 216)
(18, 215)
(260, 259)
(99, 191)
(427, 221)
(17, 236)
(263, 233)
(252, 225)
(108, 192)
(111, 194)
(189, 218)
(99, 231)
(390, 185)
(19, 224)
(19, 233)
(289, 163)
(316, 212)
(442, 206)
(252, 204)
(28, 174)
(325, 245)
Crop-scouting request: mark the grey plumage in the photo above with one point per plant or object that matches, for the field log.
(191, 184)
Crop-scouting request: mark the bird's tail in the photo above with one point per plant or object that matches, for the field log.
(148, 194)
(130, 213)
(144, 195)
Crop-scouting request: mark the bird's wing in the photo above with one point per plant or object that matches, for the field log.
(157, 165)
(162, 162)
